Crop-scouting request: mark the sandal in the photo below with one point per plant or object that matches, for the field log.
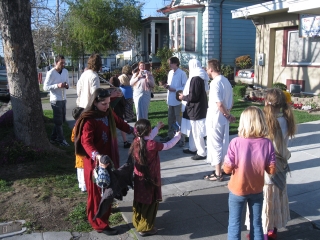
(213, 177)
(222, 173)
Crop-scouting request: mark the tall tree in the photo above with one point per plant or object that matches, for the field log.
(96, 24)
(19, 54)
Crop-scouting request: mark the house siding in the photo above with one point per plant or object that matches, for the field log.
(238, 36)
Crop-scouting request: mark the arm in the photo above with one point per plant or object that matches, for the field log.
(48, 82)
(271, 163)
(155, 131)
(134, 79)
(94, 84)
(183, 81)
(172, 142)
(229, 160)
(87, 139)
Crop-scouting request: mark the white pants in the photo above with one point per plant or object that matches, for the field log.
(80, 175)
(196, 140)
(217, 143)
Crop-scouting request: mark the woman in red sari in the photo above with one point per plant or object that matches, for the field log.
(95, 133)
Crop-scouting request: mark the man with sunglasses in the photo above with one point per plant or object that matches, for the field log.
(57, 81)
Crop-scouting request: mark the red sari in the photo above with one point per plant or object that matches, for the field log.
(96, 138)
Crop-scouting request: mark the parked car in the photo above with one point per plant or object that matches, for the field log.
(4, 87)
(245, 76)
(105, 69)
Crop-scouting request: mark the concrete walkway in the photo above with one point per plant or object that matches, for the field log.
(193, 208)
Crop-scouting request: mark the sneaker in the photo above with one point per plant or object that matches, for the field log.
(186, 150)
(198, 157)
(181, 143)
(166, 139)
(126, 144)
(64, 144)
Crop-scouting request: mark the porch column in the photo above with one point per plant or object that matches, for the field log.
(153, 37)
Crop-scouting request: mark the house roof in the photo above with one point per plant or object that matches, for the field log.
(155, 19)
(277, 6)
(172, 9)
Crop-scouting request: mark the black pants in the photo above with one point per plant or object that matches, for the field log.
(59, 117)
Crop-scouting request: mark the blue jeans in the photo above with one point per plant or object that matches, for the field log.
(59, 117)
(236, 204)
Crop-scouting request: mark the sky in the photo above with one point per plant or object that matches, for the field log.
(149, 9)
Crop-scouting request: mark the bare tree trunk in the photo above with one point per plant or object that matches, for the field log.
(15, 23)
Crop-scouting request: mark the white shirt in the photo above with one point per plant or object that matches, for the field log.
(176, 79)
(86, 85)
(220, 91)
(53, 78)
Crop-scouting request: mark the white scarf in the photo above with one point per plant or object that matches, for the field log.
(195, 70)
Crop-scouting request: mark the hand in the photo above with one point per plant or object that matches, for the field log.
(63, 85)
(232, 119)
(160, 125)
(180, 96)
(103, 165)
(178, 133)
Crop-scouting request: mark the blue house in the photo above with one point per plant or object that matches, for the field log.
(204, 29)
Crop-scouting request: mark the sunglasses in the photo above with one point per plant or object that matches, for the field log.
(103, 94)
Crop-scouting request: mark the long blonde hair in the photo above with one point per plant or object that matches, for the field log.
(276, 103)
(252, 123)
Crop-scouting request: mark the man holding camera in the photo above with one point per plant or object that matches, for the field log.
(57, 81)
(177, 79)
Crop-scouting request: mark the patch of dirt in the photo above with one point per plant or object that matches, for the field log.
(44, 214)
(37, 203)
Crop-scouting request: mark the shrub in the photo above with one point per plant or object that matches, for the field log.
(281, 86)
(160, 74)
(239, 90)
(227, 71)
(164, 54)
(244, 61)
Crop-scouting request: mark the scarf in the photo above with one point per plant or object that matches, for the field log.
(79, 150)
(195, 70)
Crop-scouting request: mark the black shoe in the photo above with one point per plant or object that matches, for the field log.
(54, 141)
(126, 144)
(198, 157)
(186, 150)
(109, 231)
(153, 231)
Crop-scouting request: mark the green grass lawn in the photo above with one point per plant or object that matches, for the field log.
(158, 111)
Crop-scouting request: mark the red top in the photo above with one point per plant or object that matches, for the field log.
(148, 193)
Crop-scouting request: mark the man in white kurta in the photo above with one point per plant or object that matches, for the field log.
(218, 118)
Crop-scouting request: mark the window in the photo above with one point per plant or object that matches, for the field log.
(172, 34)
(190, 37)
(300, 51)
(179, 33)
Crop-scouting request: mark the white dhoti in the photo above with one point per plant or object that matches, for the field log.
(196, 131)
(217, 142)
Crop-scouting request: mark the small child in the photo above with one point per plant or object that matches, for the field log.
(248, 156)
(76, 112)
(147, 178)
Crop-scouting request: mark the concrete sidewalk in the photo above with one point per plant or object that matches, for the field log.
(193, 208)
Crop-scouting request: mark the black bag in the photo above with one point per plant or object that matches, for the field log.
(152, 95)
